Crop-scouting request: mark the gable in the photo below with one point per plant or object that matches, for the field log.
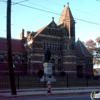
(46, 30)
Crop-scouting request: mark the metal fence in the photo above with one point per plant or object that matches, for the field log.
(24, 81)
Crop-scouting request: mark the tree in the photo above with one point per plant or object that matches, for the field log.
(91, 45)
(98, 40)
(98, 50)
(94, 49)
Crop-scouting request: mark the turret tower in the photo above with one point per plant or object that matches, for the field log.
(67, 27)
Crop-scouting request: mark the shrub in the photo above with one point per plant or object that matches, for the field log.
(40, 73)
(62, 74)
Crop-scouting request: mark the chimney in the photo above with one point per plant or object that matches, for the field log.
(22, 34)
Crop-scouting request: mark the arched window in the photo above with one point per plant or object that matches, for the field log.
(53, 62)
(53, 31)
(29, 65)
(48, 44)
(1, 57)
(44, 45)
(19, 58)
(13, 57)
(23, 59)
(29, 60)
(55, 46)
(59, 64)
(60, 47)
(52, 46)
(50, 31)
(73, 31)
(67, 46)
(72, 46)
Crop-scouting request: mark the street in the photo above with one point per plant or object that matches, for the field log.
(70, 97)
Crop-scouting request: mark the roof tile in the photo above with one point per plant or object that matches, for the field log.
(17, 45)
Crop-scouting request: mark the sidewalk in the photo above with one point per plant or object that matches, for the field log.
(43, 92)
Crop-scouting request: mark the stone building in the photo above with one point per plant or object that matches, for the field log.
(66, 55)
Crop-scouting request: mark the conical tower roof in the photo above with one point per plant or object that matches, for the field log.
(66, 15)
(82, 50)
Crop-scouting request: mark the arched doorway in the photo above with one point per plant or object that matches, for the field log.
(79, 71)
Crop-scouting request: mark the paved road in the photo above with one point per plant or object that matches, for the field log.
(74, 97)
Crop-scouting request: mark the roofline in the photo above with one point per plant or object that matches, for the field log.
(43, 28)
(82, 49)
(11, 38)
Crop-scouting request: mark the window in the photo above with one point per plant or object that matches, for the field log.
(46, 44)
(19, 58)
(13, 57)
(59, 64)
(55, 46)
(67, 46)
(43, 45)
(53, 31)
(73, 31)
(49, 31)
(52, 46)
(53, 62)
(49, 45)
(72, 46)
(60, 47)
(23, 59)
(1, 57)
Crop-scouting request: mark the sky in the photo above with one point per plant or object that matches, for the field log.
(33, 18)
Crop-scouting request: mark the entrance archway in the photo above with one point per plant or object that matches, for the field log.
(79, 71)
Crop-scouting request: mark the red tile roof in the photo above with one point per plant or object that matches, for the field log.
(65, 15)
(17, 45)
(40, 30)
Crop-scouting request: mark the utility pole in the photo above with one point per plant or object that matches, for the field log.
(10, 63)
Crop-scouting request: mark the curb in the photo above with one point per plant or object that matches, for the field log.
(45, 94)
(54, 89)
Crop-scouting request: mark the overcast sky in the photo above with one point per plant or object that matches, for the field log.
(85, 12)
